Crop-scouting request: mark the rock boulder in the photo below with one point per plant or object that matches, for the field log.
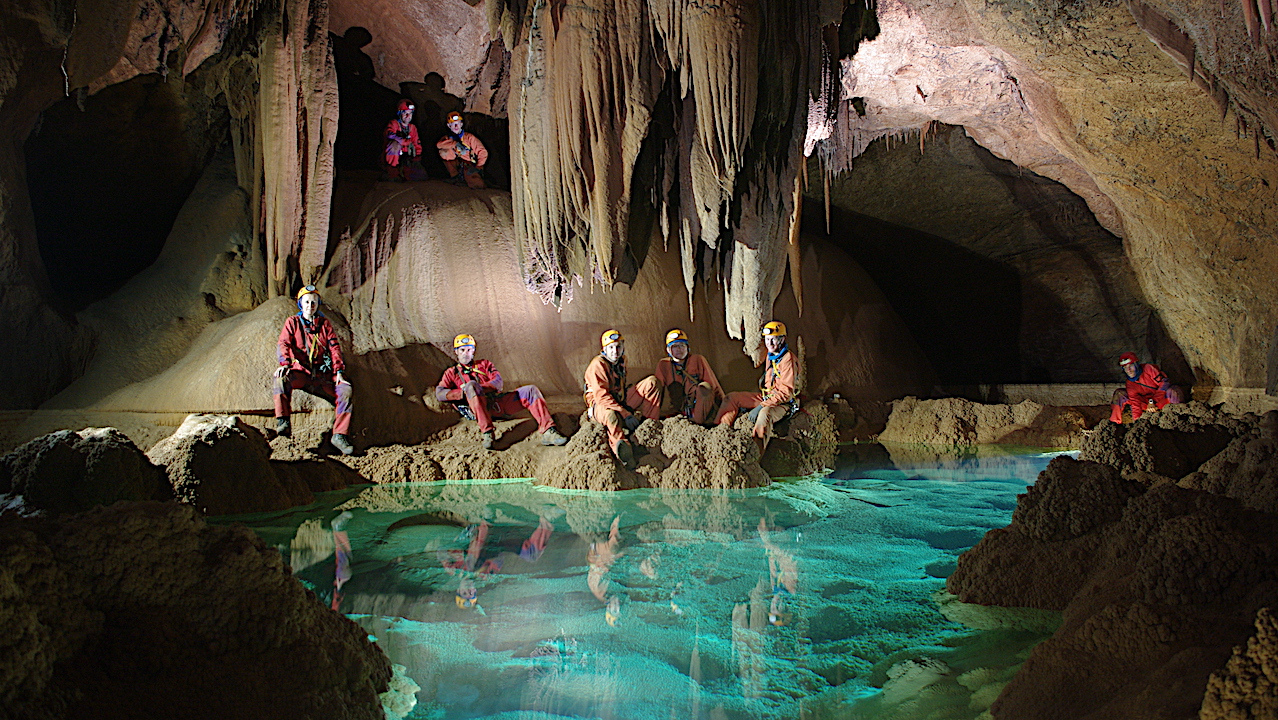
(222, 465)
(70, 471)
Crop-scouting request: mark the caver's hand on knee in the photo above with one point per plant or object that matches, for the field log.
(632, 422)
(471, 389)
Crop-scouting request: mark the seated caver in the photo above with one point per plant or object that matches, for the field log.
(474, 387)
(613, 403)
(311, 360)
(685, 383)
(1145, 384)
(777, 400)
(402, 143)
(463, 153)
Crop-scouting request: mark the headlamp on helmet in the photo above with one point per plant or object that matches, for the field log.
(308, 290)
(463, 340)
(454, 116)
(1128, 359)
(774, 329)
(609, 337)
(676, 336)
(405, 105)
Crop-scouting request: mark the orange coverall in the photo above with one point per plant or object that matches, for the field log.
(466, 155)
(605, 382)
(778, 392)
(698, 391)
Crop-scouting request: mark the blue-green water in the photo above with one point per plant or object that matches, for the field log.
(812, 598)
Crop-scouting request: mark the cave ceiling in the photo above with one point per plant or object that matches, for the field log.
(689, 124)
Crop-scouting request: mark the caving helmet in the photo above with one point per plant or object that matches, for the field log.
(404, 105)
(676, 336)
(454, 115)
(463, 340)
(308, 290)
(774, 328)
(609, 337)
(1128, 358)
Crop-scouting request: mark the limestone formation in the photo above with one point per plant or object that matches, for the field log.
(141, 610)
(70, 471)
(1078, 93)
(1156, 578)
(955, 422)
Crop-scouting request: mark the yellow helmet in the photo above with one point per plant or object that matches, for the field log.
(463, 340)
(609, 337)
(675, 336)
(774, 328)
(308, 290)
(454, 116)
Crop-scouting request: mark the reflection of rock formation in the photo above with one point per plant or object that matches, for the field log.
(1157, 578)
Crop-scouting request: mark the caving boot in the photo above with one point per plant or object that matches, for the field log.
(283, 427)
(488, 441)
(626, 454)
(552, 437)
(342, 444)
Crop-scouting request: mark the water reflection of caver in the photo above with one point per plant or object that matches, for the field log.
(601, 556)
(463, 563)
(342, 547)
(783, 573)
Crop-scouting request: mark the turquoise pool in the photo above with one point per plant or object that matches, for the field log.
(812, 598)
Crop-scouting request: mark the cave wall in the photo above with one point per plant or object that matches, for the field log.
(1078, 93)
(276, 81)
(1006, 278)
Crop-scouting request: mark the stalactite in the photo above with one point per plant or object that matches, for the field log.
(794, 253)
(1251, 19)
(296, 129)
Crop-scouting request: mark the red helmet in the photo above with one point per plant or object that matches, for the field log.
(1128, 358)
(405, 105)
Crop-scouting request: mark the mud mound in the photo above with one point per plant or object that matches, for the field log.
(1170, 443)
(1162, 581)
(141, 610)
(804, 445)
(675, 454)
(955, 422)
(70, 471)
(1245, 688)
(222, 466)
(1246, 470)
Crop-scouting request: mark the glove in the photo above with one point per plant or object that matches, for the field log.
(631, 423)
(753, 415)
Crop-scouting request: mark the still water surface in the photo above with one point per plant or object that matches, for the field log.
(811, 598)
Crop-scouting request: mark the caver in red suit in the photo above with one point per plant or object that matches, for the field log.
(311, 359)
(401, 140)
(476, 386)
(1145, 384)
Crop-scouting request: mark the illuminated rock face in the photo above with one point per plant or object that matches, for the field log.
(1082, 96)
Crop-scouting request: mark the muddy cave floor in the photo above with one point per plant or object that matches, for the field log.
(803, 597)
